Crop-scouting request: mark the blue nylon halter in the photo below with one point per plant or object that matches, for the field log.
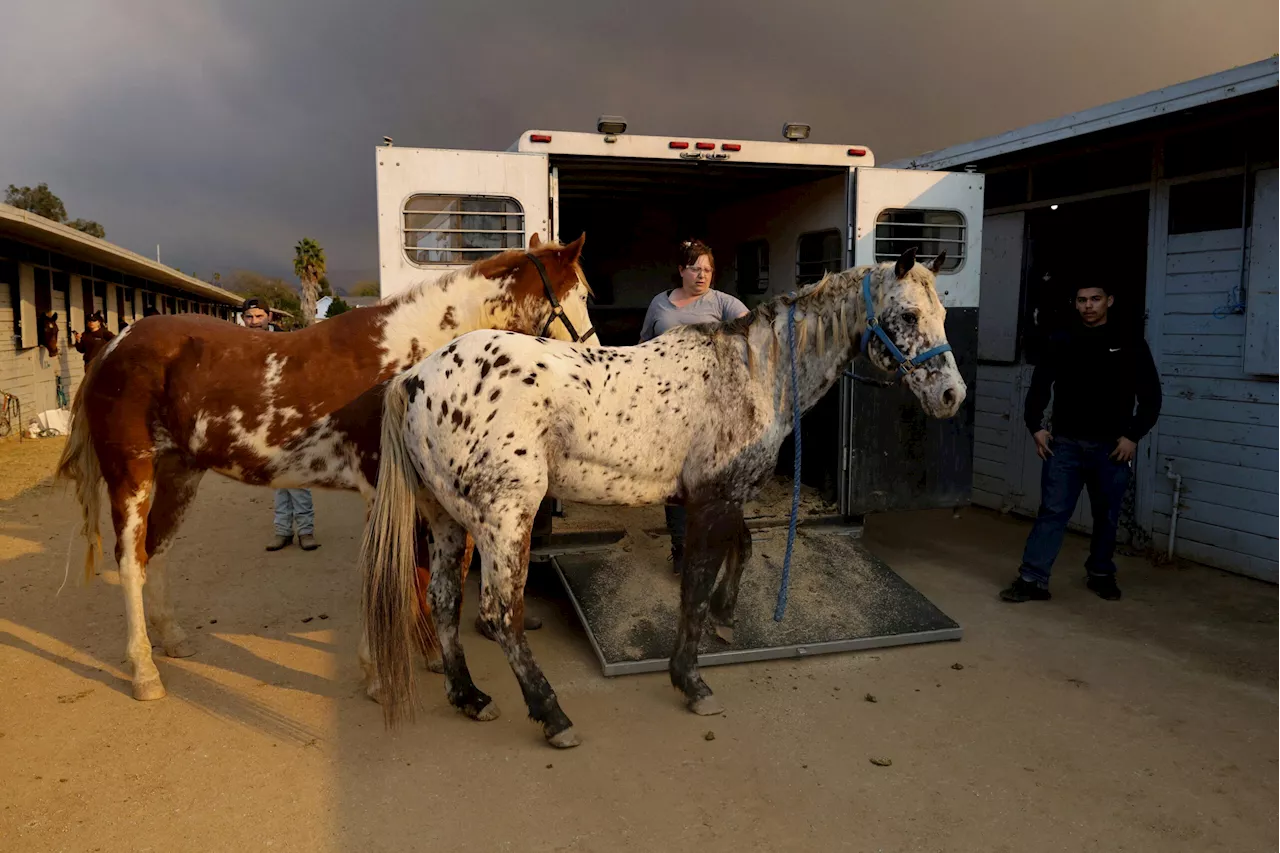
(905, 365)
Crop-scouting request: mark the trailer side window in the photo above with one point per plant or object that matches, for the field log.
(752, 267)
(929, 231)
(441, 229)
(817, 254)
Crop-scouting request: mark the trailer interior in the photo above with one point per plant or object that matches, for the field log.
(767, 225)
(771, 228)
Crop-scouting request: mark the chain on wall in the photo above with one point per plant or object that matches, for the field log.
(1132, 540)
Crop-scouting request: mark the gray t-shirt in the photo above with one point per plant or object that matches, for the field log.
(714, 306)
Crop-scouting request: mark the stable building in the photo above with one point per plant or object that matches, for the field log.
(1170, 198)
(49, 267)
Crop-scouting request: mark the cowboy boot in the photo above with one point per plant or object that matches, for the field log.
(307, 542)
(280, 542)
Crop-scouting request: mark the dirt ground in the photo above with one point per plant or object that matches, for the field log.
(1075, 725)
(24, 463)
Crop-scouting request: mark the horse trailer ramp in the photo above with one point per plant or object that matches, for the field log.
(842, 598)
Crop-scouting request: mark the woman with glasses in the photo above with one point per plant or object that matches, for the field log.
(694, 301)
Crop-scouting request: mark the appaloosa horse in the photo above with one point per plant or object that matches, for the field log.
(475, 435)
(174, 396)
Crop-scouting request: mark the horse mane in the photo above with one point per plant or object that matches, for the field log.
(507, 261)
(766, 314)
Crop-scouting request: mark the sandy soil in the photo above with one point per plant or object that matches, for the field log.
(1076, 725)
(25, 463)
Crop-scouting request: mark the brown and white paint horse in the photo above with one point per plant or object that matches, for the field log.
(475, 435)
(174, 396)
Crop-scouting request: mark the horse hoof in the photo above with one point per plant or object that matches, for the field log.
(181, 649)
(149, 690)
(707, 706)
(486, 714)
(436, 666)
(531, 622)
(725, 633)
(566, 739)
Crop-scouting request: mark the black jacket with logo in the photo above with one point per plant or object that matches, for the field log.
(92, 343)
(1096, 376)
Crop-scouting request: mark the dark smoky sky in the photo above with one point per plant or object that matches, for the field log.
(225, 131)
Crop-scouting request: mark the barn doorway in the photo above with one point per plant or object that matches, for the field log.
(1101, 241)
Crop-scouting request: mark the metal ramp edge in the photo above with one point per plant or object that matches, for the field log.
(574, 567)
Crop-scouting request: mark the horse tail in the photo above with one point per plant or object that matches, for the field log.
(79, 465)
(388, 564)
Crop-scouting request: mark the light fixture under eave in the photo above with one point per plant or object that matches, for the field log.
(611, 125)
(795, 131)
(1053, 207)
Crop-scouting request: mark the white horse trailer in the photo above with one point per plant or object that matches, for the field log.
(777, 215)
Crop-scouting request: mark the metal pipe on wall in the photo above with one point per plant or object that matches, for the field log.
(1177, 499)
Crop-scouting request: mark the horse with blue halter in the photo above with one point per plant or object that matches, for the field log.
(475, 435)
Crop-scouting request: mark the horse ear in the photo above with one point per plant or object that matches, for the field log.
(574, 250)
(936, 263)
(535, 241)
(906, 261)
(54, 316)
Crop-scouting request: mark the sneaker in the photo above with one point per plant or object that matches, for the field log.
(1104, 586)
(280, 542)
(1021, 590)
(307, 542)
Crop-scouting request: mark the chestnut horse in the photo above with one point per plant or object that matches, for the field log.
(47, 333)
(174, 396)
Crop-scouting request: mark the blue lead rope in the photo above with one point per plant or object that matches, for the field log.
(781, 608)
(905, 366)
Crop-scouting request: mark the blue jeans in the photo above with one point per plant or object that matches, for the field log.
(293, 507)
(1075, 465)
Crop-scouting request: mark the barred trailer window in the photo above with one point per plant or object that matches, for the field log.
(930, 231)
(440, 229)
(817, 254)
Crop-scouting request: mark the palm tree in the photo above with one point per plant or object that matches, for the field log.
(308, 265)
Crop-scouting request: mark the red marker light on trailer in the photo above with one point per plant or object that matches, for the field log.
(857, 152)
(539, 137)
(706, 146)
(731, 146)
(678, 145)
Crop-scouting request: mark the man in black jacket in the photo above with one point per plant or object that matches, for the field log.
(1096, 373)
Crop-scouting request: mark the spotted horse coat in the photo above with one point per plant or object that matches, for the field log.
(476, 434)
(174, 396)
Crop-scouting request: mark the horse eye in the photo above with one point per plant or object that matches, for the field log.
(909, 317)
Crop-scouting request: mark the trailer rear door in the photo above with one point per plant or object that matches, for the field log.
(894, 456)
(439, 209)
